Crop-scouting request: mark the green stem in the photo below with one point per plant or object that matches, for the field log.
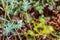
(5, 8)
(34, 38)
(27, 17)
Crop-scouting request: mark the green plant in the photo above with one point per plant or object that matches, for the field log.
(25, 5)
(38, 7)
(26, 10)
(46, 29)
(51, 4)
(13, 7)
(5, 7)
(9, 27)
(40, 28)
(58, 7)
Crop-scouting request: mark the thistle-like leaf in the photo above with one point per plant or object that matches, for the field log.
(25, 5)
(9, 28)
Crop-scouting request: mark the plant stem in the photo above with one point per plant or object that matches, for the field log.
(18, 34)
(55, 35)
(27, 17)
(5, 8)
(15, 38)
(3, 37)
(34, 38)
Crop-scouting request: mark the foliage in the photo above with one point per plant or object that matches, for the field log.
(51, 4)
(25, 5)
(9, 27)
(41, 28)
(58, 7)
(32, 13)
(13, 7)
(28, 18)
(30, 32)
(39, 7)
